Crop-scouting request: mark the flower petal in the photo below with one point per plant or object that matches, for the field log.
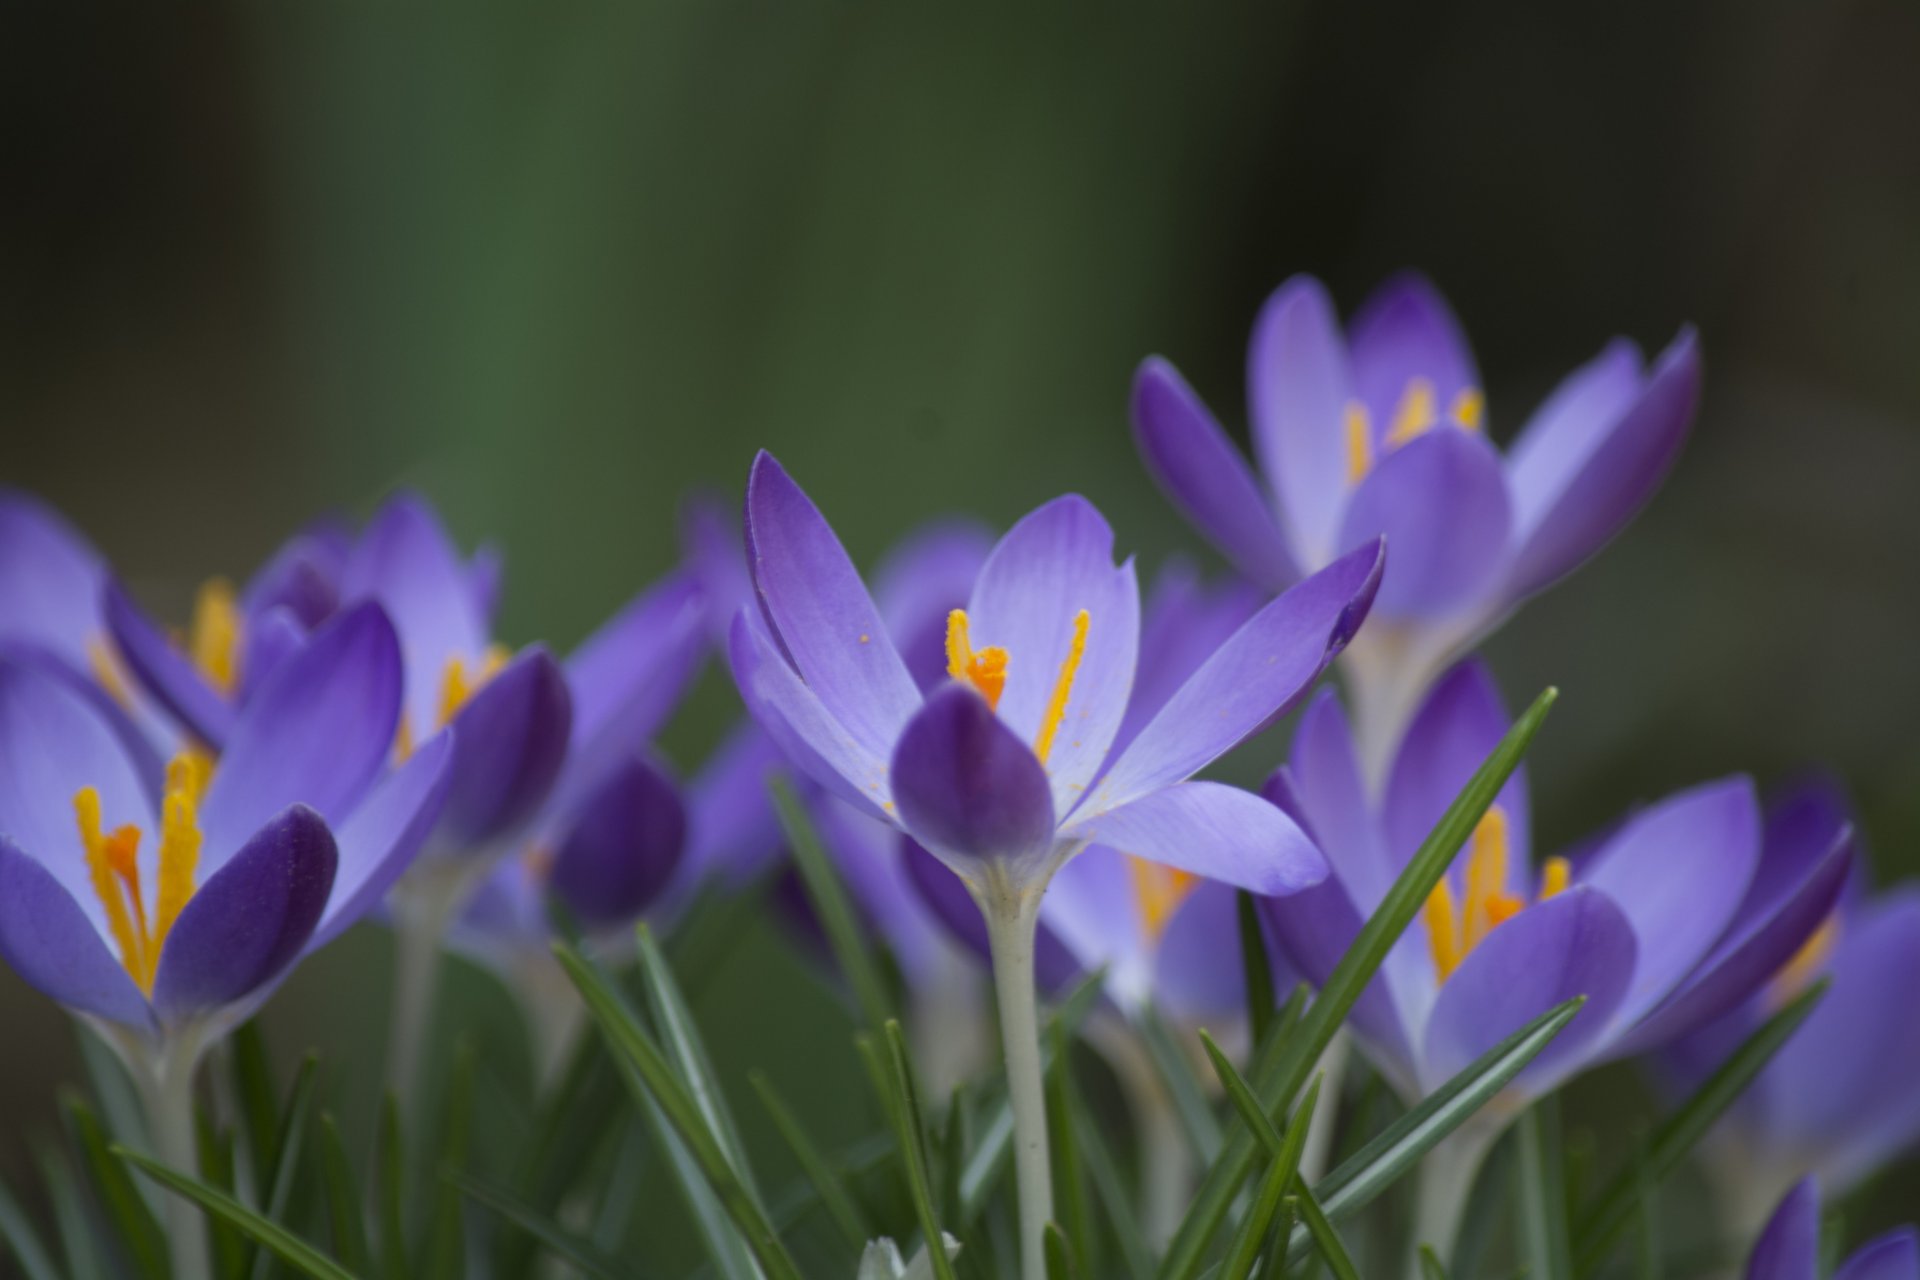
(710, 545)
(1323, 774)
(867, 853)
(1212, 830)
(1893, 1256)
(626, 678)
(1679, 871)
(1203, 474)
(1440, 501)
(732, 832)
(1054, 968)
(1577, 943)
(1591, 458)
(923, 579)
(376, 843)
(1053, 564)
(1789, 1248)
(623, 846)
(1406, 331)
(1198, 971)
(303, 577)
(318, 732)
(49, 941)
(50, 578)
(821, 614)
(165, 672)
(245, 926)
(967, 788)
(509, 742)
(1186, 623)
(1092, 908)
(1254, 678)
(1458, 727)
(270, 638)
(1298, 388)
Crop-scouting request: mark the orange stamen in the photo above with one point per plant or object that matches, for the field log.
(984, 669)
(1359, 443)
(213, 641)
(1062, 688)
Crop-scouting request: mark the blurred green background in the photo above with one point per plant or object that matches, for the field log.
(556, 266)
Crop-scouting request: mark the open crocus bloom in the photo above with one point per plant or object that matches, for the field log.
(169, 908)
(1673, 917)
(1789, 1248)
(1008, 768)
(1383, 431)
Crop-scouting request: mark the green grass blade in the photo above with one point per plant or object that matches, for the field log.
(270, 1235)
(392, 1158)
(1350, 977)
(834, 909)
(650, 1068)
(578, 1253)
(912, 1134)
(1189, 1096)
(1073, 1213)
(288, 1144)
(1430, 1265)
(445, 1245)
(134, 1224)
(1541, 1199)
(1325, 1238)
(840, 1206)
(1122, 1214)
(219, 1169)
(22, 1242)
(1251, 1238)
(346, 1216)
(1258, 968)
(251, 1071)
(1680, 1132)
(1059, 1255)
(1241, 1095)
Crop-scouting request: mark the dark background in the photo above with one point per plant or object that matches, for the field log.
(556, 267)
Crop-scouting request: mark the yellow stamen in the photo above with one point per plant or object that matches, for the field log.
(1414, 414)
(104, 665)
(456, 686)
(1469, 409)
(101, 859)
(1159, 890)
(1454, 931)
(1359, 443)
(1062, 688)
(1443, 930)
(1807, 963)
(114, 868)
(1555, 876)
(213, 641)
(179, 844)
(984, 669)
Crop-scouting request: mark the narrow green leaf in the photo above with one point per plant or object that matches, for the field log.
(1122, 1214)
(345, 1214)
(288, 1146)
(1074, 1215)
(1252, 1236)
(1240, 1094)
(219, 1169)
(1349, 978)
(286, 1246)
(911, 1132)
(1680, 1132)
(444, 1252)
(1325, 1238)
(650, 1067)
(1261, 1003)
(393, 1193)
(730, 1252)
(554, 1238)
(1541, 1193)
(621, 1189)
(17, 1233)
(1430, 1267)
(834, 909)
(252, 1074)
(819, 1173)
(1190, 1101)
(1059, 1256)
(79, 1241)
(134, 1224)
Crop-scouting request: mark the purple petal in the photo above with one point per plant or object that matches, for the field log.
(967, 788)
(710, 542)
(820, 612)
(405, 561)
(1198, 972)
(48, 940)
(731, 828)
(1457, 728)
(1406, 331)
(1054, 968)
(623, 847)
(1679, 871)
(626, 678)
(1789, 1248)
(1093, 908)
(1805, 857)
(1203, 474)
(867, 853)
(165, 672)
(1323, 775)
(509, 742)
(800, 724)
(50, 579)
(377, 842)
(1186, 623)
(271, 638)
(923, 579)
(303, 577)
(486, 571)
(1893, 1256)
(1216, 831)
(1577, 943)
(1580, 472)
(317, 733)
(1298, 389)
(1056, 562)
(250, 919)
(1440, 501)
(1255, 677)
(137, 738)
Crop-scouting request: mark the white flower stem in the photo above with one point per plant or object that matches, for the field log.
(1012, 914)
(1447, 1176)
(167, 1092)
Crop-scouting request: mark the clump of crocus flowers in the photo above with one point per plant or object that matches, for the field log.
(994, 771)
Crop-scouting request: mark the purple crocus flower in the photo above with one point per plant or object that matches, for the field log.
(1789, 1248)
(166, 909)
(1678, 913)
(1382, 431)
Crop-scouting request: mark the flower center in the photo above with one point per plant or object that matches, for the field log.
(1158, 890)
(986, 670)
(1453, 932)
(1415, 415)
(457, 687)
(113, 863)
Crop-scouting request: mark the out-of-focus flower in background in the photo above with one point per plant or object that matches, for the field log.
(1790, 1249)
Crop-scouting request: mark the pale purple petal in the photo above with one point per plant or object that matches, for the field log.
(270, 637)
(923, 579)
(1198, 970)
(820, 612)
(376, 843)
(165, 672)
(1789, 1248)
(1406, 331)
(868, 855)
(1203, 474)
(1313, 930)
(50, 579)
(715, 556)
(1257, 676)
(1186, 623)
(1323, 774)
(623, 846)
(967, 788)
(1440, 501)
(49, 941)
(509, 742)
(1212, 830)
(318, 733)
(1577, 943)
(247, 923)
(486, 571)
(1678, 871)
(1579, 476)
(1893, 1256)
(1056, 562)
(1299, 385)
(626, 678)
(731, 828)
(1454, 731)
(1094, 911)
(303, 577)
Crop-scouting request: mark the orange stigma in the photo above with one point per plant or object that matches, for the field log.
(984, 669)
(1455, 929)
(1158, 891)
(113, 865)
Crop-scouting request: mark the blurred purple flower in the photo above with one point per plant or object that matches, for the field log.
(1789, 1248)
